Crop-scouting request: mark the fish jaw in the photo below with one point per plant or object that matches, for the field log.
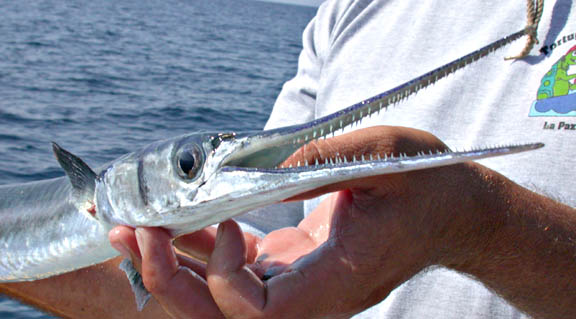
(239, 172)
(230, 184)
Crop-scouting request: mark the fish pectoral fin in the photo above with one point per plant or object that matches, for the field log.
(141, 294)
(82, 177)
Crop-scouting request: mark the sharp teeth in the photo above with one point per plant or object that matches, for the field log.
(345, 159)
(378, 156)
(290, 166)
(363, 159)
(354, 158)
(298, 165)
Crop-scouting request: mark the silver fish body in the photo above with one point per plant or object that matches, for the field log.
(192, 181)
(43, 233)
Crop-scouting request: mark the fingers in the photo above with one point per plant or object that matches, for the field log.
(123, 239)
(176, 282)
(307, 289)
(200, 244)
(180, 291)
(236, 289)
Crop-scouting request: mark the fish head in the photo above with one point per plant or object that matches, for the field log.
(191, 181)
(143, 187)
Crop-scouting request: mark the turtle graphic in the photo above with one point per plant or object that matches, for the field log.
(554, 97)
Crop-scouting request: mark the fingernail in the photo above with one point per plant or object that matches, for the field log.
(122, 249)
(220, 232)
(140, 237)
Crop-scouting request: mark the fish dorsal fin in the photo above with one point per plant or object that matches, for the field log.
(82, 177)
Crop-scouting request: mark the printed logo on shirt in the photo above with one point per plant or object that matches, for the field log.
(556, 96)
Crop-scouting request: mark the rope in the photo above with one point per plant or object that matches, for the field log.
(534, 10)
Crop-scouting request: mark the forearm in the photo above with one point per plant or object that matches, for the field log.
(525, 249)
(100, 291)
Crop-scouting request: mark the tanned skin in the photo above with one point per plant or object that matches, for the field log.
(358, 245)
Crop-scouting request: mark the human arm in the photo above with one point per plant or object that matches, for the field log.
(99, 291)
(380, 231)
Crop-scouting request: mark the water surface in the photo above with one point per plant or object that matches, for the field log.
(103, 78)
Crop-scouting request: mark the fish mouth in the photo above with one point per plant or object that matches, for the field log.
(244, 170)
(250, 174)
(268, 149)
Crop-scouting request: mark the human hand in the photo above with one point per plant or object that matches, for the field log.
(346, 256)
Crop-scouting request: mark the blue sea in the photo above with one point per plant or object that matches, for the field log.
(103, 78)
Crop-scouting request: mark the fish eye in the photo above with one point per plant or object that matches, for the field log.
(189, 162)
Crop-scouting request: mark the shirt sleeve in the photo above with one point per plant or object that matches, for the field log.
(296, 102)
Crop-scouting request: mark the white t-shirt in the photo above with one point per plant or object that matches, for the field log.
(356, 49)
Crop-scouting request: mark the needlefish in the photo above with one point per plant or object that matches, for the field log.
(192, 181)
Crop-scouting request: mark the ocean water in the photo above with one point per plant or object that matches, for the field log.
(103, 78)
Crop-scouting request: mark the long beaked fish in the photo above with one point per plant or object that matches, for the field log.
(189, 182)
